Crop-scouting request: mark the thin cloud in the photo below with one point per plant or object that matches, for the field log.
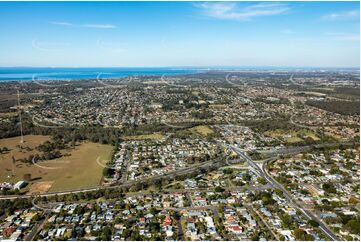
(344, 36)
(62, 23)
(95, 26)
(99, 26)
(235, 11)
(348, 15)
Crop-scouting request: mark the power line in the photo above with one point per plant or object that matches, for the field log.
(21, 123)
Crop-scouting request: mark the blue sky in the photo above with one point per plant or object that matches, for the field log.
(98, 34)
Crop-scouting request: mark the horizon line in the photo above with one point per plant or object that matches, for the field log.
(190, 66)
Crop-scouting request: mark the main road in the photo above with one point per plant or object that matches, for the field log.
(259, 170)
(262, 171)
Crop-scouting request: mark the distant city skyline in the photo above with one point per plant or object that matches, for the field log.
(183, 34)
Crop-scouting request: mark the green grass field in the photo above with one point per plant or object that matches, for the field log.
(291, 136)
(79, 170)
(203, 130)
(144, 136)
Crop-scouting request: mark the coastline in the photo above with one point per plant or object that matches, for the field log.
(8, 74)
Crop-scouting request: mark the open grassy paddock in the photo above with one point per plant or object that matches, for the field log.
(202, 130)
(78, 170)
(291, 136)
(144, 136)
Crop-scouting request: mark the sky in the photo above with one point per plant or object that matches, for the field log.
(154, 34)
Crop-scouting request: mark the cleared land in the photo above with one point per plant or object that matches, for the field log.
(291, 136)
(40, 187)
(202, 130)
(144, 136)
(79, 170)
(317, 94)
(9, 114)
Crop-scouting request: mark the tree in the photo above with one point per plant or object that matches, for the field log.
(106, 233)
(108, 172)
(329, 188)
(299, 234)
(313, 223)
(219, 189)
(278, 192)
(286, 220)
(35, 218)
(27, 177)
(4, 150)
(353, 226)
(262, 180)
(353, 200)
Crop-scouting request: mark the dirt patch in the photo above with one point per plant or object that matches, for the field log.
(40, 187)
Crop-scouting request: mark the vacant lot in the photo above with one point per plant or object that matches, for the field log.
(310, 134)
(144, 136)
(202, 130)
(79, 170)
(291, 136)
(40, 187)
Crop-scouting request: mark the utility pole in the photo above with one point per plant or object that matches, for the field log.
(13, 160)
(21, 123)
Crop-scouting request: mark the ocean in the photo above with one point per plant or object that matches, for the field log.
(48, 73)
(62, 73)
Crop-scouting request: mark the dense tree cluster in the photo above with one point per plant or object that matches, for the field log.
(300, 234)
(7, 207)
(329, 188)
(336, 106)
(62, 134)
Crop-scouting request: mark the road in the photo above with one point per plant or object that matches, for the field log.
(300, 125)
(189, 198)
(307, 213)
(251, 208)
(39, 226)
(125, 168)
(262, 171)
(180, 229)
(186, 170)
